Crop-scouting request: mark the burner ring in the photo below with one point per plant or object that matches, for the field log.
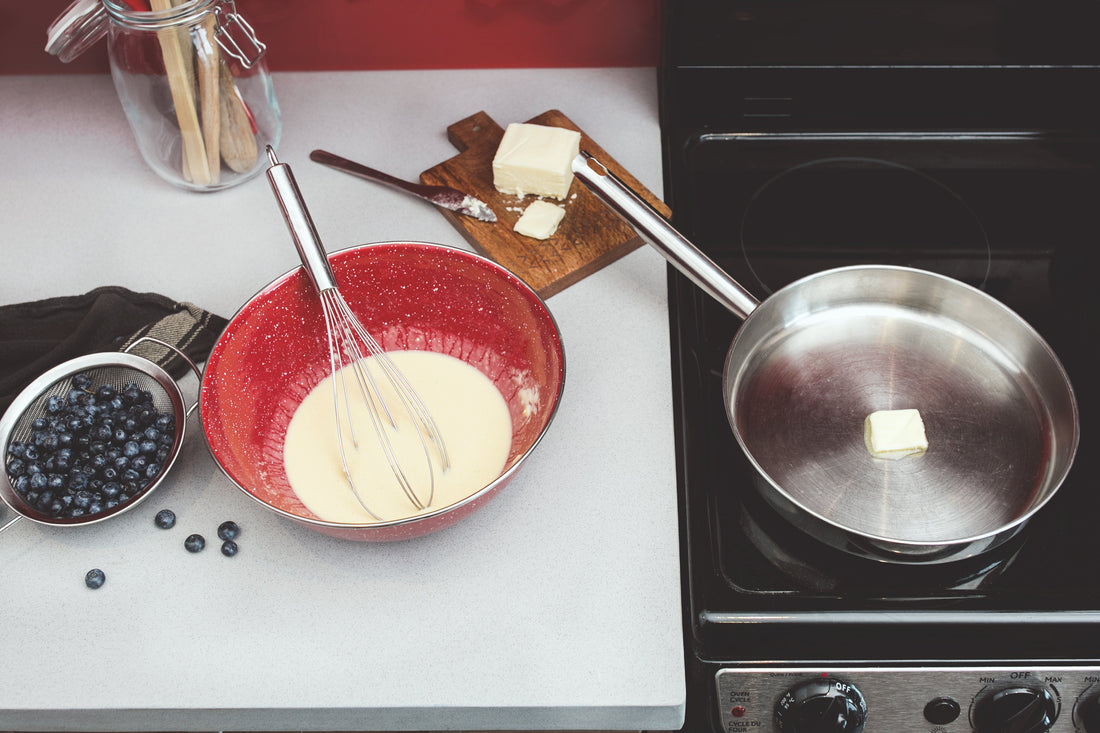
(785, 176)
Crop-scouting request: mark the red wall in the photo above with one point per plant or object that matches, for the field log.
(392, 34)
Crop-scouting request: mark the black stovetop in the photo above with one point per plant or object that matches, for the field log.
(959, 137)
(1008, 213)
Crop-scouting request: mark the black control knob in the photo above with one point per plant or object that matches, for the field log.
(823, 705)
(1090, 715)
(1016, 710)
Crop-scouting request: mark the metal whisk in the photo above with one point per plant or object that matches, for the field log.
(349, 345)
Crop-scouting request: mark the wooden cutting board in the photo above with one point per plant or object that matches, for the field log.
(590, 236)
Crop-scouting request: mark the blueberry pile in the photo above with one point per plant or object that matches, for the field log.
(92, 450)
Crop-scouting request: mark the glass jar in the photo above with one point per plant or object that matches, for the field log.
(192, 80)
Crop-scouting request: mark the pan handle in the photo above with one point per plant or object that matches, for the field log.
(658, 233)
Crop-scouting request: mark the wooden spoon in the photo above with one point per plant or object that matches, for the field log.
(239, 149)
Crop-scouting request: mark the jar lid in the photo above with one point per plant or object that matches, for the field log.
(77, 29)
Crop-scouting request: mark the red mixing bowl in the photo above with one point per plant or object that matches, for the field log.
(409, 296)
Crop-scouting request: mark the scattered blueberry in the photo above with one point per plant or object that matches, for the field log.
(229, 548)
(228, 531)
(95, 447)
(95, 578)
(194, 543)
(165, 518)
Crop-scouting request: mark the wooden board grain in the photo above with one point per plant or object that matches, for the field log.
(590, 237)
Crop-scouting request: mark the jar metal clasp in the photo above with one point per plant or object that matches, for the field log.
(232, 31)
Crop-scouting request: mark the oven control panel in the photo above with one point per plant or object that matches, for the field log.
(909, 699)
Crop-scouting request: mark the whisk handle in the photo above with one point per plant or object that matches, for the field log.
(300, 223)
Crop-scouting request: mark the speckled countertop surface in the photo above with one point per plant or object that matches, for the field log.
(555, 607)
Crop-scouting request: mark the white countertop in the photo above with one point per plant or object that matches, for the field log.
(557, 606)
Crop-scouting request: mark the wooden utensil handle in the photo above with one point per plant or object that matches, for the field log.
(181, 85)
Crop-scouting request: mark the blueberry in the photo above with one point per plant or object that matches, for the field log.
(81, 380)
(130, 449)
(16, 467)
(229, 548)
(46, 440)
(165, 519)
(95, 578)
(194, 543)
(105, 393)
(55, 404)
(130, 394)
(228, 531)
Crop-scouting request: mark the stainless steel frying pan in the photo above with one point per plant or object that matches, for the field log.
(813, 360)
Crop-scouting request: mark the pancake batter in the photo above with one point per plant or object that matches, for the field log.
(470, 412)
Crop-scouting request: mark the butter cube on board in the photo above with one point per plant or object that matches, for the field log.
(540, 219)
(894, 434)
(535, 159)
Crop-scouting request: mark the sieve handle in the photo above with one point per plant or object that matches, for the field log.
(10, 522)
(180, 354)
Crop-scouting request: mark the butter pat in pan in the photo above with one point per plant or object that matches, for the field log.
(540, 219)
(535, 159)
(894, 434)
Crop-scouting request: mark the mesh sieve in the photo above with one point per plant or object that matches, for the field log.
(118, 369)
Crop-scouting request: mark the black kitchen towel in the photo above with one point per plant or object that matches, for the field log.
(39, 335)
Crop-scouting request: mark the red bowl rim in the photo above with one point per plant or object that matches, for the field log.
(390, 524)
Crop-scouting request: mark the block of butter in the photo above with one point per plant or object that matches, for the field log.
(540, 219)
(894, 434)
(535, 159)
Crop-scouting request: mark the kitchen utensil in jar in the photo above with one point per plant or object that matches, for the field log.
(192, 80)
(443, 196)
(349, 346)
(68, 407)
(810, 362)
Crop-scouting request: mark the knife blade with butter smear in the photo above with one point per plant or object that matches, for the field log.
(443, 196)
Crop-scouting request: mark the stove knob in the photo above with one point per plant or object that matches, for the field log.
(823, 705)
(1016, 710)
(1090, 715)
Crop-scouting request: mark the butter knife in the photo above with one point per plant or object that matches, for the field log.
(443, 196)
